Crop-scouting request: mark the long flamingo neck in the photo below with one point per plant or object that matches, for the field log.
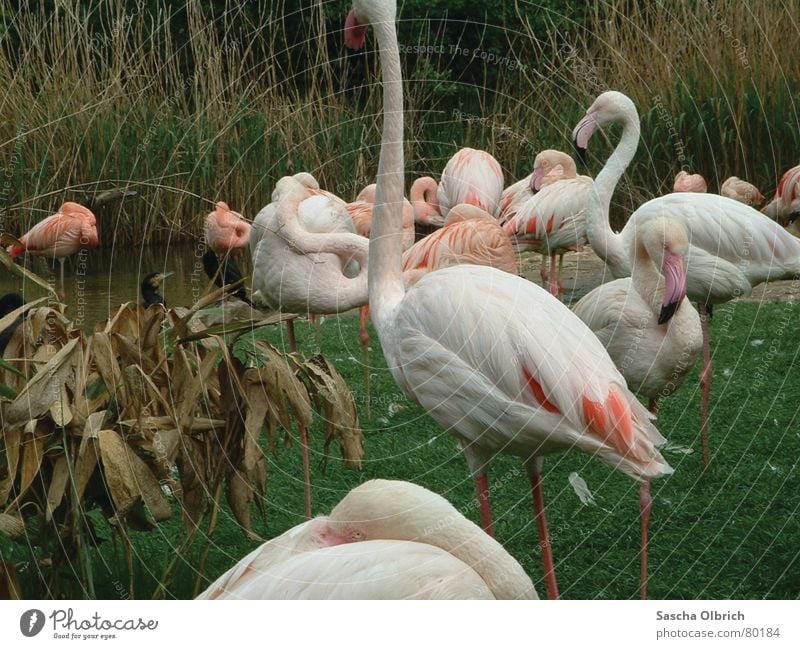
(386, 288)
(647, 278)
(604, 241)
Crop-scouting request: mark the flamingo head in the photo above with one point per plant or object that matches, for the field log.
(551, 165)
(685, 182)
(666, 243)
(390, 509)
(363, 13)
(609, 107)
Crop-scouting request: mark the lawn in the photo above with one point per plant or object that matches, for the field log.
(729, 533)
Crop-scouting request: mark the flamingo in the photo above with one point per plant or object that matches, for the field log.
(307, 258)
(785, 205)
(150, 286)
(425, 201)
(60, 235)
(742, 191)
(361, 212)
(547, 168)
(471, 176)
(685, 182)
(732, 247)
(552, 220)
(226, 230)
(493, 358)
(386, 539)
(648, 325)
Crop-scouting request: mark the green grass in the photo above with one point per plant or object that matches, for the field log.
(729, 533)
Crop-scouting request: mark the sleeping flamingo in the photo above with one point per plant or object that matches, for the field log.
(648, 325)
(742, 191)
(553, 220)
(471, 176)
(60, 235)
(685, 182)
(785, 205)
(386, 539)
(732, 247)
(360, 211)
(493, 358)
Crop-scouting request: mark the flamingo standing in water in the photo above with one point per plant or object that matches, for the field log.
(648, 325)
(686, 182)
(732, 247)
(471, 176)
(785, 205)
(552, 220)
(742, 191)
(60, 235)
(386, 539)
(493, 358)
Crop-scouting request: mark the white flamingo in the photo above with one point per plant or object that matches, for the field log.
(732, 247)
(493, 358)
(648, 325)
(386, 539)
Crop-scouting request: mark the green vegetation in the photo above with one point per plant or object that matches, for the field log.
(190, 102)
(730, 533)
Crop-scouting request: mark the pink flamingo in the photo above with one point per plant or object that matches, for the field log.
(550, 170)
(493, 358)
(685, 182)
(785, 205)
(226, 230)
(648, 325)
(385, 539)
(60, 235)
(553, 220)
(425, 201)
(471, 176)
(732, 247)
(361, 212)
(742, 191)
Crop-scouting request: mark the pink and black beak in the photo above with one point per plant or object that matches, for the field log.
(581, 134)
(354, 32)
(675, 286)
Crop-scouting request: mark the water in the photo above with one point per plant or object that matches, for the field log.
(98, 281)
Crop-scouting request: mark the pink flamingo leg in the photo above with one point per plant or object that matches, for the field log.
(553, 277)
(645, 505)
(543, 270)
(363, 334)
(541, 522)
(705, 386)
(484, 505)
(302, 429)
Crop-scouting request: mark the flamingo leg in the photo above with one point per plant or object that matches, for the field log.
(63, 294)
(645, 505)
(705, 385)
(302, 429)
(317, 330)
(535, 476)
(363, 334)
(484, 504)
(543, 270)
(560, 281)
(553, 278)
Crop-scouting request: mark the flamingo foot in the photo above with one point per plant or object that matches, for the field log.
(484, 505)
(706, 376)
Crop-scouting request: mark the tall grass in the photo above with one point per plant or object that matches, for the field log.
(226, 107)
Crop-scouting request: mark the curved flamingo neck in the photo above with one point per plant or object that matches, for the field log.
(386, 289)
(604, 241)
(647, 278)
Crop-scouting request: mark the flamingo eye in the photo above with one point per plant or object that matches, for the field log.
(356, 535)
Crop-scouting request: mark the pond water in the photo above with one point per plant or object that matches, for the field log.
(98, 281)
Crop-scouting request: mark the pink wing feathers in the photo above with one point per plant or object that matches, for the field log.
(471, 176)
(72, 228)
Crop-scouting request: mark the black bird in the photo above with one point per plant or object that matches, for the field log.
(230, 274)
(150, 285)
(8, 303)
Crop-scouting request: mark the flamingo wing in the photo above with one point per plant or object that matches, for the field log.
(58, 235)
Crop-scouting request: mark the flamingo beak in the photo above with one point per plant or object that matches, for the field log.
(354, 33)
(536, 180)
(675, 286)
(581, 134)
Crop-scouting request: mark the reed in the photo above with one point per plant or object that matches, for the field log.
(222, 108)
